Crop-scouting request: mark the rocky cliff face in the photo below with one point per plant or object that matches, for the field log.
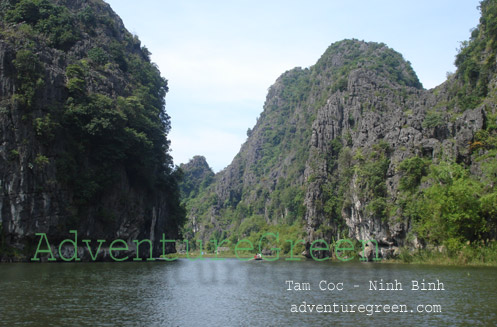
(329, 151)
(381, 123)
(83, 129)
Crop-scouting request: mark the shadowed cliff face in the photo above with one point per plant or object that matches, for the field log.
(355, 147)
(83, 128)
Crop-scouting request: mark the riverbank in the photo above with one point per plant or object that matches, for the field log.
(467, 255)
(229, 255)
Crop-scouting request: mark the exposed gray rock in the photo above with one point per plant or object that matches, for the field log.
(33, 199)
(360, 96)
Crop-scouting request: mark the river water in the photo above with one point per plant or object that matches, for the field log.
(235, 293)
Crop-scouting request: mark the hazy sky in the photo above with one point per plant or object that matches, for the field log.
(220, 57)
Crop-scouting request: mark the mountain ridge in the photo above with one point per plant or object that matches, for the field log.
(336, 143)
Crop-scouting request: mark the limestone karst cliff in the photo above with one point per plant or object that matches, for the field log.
(355, 147)
(83, 130)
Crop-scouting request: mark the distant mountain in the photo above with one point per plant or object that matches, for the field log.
(355, 147)
(197, 176)
(83, 130)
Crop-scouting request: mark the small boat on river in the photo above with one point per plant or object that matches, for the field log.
(258, 256)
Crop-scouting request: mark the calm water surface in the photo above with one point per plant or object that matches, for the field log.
(235, 293)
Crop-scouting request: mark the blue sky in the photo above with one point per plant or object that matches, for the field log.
(220, 57)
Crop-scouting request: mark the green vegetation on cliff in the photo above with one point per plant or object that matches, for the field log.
(355, 147)
(476, 61)
(452, 202)
(264, 189)
(90, 109)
